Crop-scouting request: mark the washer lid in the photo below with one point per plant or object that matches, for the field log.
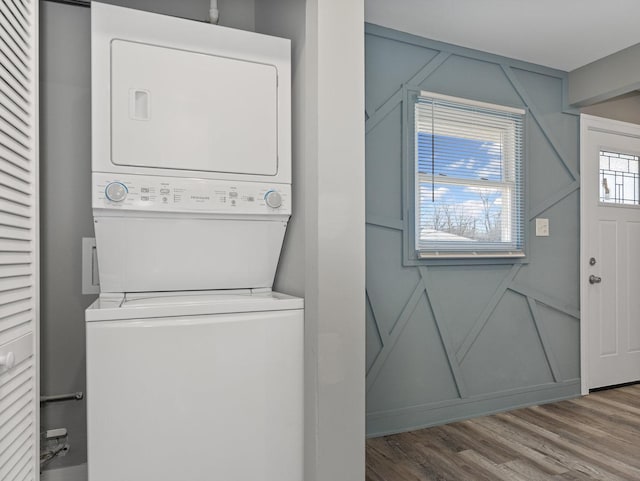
(111, 307)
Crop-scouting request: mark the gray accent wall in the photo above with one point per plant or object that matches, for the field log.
(65, 214)
(447, 342)
(65, 195)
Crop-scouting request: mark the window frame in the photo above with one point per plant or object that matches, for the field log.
(412, 255)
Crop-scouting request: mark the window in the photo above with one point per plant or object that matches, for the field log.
(619, 178)
(468, 178)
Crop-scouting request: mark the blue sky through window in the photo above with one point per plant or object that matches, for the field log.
(460, 157)
(462, 210)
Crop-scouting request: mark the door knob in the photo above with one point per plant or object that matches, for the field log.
(8, 361)
(594, 279)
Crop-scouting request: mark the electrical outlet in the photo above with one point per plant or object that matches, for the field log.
(542, 227)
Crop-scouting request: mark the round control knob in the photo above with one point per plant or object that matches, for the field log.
(116, 191)
(273, 199)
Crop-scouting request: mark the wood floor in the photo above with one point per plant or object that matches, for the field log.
(594, 437)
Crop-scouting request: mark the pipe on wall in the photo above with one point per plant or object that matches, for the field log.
(76, 396)
(214, 13)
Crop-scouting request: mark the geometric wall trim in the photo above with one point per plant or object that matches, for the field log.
(446, 342)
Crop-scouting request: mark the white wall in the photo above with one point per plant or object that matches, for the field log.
(609, 77)
(338, 170)
(323, 257)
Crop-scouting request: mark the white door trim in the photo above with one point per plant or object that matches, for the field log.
(590, 123)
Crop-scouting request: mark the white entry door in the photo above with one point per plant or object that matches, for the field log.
(610, 252)
(19, 279)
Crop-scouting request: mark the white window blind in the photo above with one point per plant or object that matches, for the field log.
(468, 178)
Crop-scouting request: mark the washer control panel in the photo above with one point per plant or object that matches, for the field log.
(171, 194)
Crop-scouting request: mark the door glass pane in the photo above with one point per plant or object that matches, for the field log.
(619, 178)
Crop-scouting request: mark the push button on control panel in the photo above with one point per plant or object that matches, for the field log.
(116, 191)
(273, 199)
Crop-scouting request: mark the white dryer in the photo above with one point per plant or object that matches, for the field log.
(194, 367)
(191, 152)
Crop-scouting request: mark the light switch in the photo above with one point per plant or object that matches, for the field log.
(542, 227)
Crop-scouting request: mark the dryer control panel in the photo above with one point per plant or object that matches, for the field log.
(172, 194)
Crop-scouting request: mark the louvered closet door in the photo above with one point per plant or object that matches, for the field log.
(19, 277)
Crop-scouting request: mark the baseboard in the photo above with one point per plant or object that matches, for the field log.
(443, 412)
(72, 473)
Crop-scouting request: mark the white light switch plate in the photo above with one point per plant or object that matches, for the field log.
(542, 227)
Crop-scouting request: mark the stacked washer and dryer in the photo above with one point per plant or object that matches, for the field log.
(194, 366)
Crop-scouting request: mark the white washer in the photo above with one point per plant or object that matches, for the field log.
(195, 386)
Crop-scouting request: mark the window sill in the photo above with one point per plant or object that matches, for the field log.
(471, 255)
(465, 260)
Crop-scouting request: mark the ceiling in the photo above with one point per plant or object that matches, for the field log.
(563, 34)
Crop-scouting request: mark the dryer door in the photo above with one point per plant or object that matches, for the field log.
(184, 253)
(186, 110)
